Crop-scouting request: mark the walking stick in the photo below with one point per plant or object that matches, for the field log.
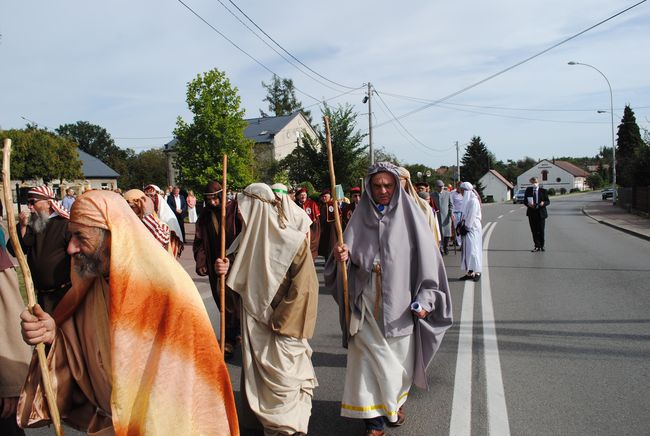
(29, 285)
(222, 279)
(337, 219)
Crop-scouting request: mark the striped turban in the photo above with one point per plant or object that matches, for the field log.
(44, 192)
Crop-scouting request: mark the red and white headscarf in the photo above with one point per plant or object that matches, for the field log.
(44, 192)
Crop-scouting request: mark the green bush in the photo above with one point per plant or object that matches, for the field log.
(562, 191)
(574, 190)
(551, 192)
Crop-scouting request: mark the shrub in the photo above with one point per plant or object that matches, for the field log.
(551, 192)
(562, 191)
(574, 190)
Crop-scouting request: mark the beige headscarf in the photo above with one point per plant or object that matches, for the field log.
(404, 174)
(264, 250)
(295, 214)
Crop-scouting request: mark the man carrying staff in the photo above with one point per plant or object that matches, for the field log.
(207, 249)
(132, 350)
(274, 274)
(44, 238)
(399, 299)
(311, 208)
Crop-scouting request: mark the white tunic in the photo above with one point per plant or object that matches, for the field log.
(472, 247)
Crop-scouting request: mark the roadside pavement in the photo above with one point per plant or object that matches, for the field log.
(620, 219)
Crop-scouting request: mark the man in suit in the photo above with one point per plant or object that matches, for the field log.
(178, 204)
(536, 200)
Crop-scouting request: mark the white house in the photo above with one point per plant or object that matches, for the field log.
(274, 137)
(496, 186)
(555, 174)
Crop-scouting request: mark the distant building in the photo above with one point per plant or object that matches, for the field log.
(274, 137)
(496, 186)
(555, 174)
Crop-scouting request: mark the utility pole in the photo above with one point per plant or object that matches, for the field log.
(457, 164)
(368, 99)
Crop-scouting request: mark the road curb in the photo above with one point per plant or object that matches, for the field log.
(614, 226)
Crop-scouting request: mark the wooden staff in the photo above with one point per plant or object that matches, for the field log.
(337, 219)
(222, 279)
(29, 285)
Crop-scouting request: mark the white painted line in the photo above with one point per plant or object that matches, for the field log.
(460, 423)
(499, 217)
(461, 406)
(510, 211)
(496, 400)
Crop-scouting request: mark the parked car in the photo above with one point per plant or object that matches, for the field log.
(519, 196)
(607, 193)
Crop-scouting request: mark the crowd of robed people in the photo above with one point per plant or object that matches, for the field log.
(130, 347)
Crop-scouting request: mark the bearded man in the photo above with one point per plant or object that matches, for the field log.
(399, 300)
(43, 235)
(131, 347)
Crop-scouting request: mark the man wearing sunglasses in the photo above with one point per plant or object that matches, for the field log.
(44, 237)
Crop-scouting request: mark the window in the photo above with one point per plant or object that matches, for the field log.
(558, 180)
(544, 175)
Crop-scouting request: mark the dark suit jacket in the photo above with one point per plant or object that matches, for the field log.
(172, 203)
(542, 196)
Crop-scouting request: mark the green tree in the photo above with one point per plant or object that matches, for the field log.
(40, 154)
(281, 97)
(217, 128)
(476, 161)
(627, 146)
(595, 181)
(149, 166)
(308, 161)
(96, 141)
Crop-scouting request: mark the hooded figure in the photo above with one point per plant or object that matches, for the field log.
(399, 299)
(274, 274)
(132, 350)
(472, 246)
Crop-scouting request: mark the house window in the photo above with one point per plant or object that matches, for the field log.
(544, 175)
(558, 180)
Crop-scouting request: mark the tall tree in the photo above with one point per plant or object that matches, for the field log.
(217, 128)
(628, 143)
(476, 161)
(96, 141)
(308, 162)
(148, 166)
(281, 97)
(40, 154)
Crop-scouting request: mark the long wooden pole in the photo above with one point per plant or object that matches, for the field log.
(222, 279)
(29, 284)
(337, 219)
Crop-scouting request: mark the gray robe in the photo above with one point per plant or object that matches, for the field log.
(445, 206)
(412, 271)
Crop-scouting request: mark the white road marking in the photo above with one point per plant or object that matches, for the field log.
(496, 401)
(510, 211)
(460, 423)
(499, 217)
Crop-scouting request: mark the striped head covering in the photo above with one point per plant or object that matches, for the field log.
(44, 192)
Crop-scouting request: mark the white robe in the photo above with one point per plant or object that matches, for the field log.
(472, 246)
(379, 372)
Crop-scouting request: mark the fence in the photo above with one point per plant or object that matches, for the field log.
(637, 198)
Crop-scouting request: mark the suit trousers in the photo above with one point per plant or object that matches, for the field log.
(537, 223)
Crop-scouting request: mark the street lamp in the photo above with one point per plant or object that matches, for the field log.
(611, 111)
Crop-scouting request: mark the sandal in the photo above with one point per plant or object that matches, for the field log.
(401, 419)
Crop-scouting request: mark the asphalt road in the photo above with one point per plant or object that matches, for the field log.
(546, 343)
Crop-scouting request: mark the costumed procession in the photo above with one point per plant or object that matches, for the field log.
(123, 342)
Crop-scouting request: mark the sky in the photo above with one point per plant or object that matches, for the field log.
(125, 65)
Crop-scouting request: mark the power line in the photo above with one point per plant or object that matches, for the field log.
(273, 48)
(505, 70)
(287, 52)
(405, 129)
(239, 48)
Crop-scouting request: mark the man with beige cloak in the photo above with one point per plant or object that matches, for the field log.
(274, 274)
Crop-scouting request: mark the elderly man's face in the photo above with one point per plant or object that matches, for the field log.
(325, 198)
(383, 187)
(38, 206)
(90, 250)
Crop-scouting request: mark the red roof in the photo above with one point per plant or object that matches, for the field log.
(572, 169)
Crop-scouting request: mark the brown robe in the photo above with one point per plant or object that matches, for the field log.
(80, 368)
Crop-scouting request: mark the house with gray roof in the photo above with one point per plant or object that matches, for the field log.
(274, 137)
